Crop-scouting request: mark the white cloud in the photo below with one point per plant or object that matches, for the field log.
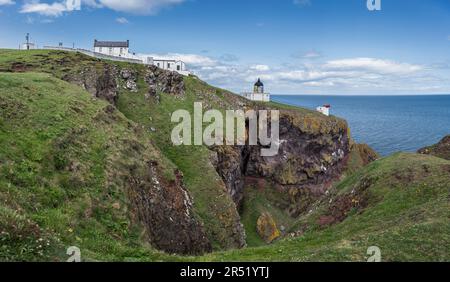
(122, 20)
(134, 6)
(260, 67)
(6, 2)
(312, 55)
(372, 65)
(346, 76)
(302, 3)
(54, 9)
(58, 8)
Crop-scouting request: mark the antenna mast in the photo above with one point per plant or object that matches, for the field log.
(28, 41)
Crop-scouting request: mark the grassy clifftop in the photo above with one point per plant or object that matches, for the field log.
(46, 126)
(75, 172)
(72, 167)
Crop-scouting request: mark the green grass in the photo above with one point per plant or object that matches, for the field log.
(211, 202)
(48, 126)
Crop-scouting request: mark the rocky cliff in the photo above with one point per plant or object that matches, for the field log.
(193, 207)
(313, 153)
(90, 165)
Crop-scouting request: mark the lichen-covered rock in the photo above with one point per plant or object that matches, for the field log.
(107, 85)
(131, 85)
(165, 209)
(160, 80)
(313, 153)
(441, 149)
(366, 153)
(267, 228)
(100, 83)
(231, 165)
(127, 74)
(130, 78)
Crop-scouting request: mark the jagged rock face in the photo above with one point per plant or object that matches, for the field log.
(164, 81)
(130, 78)
(107, 85)
(159, 203)
(312, 154)
(441, 149)
(231, 167)
(102, 84)
(305, 158)
(165, 209)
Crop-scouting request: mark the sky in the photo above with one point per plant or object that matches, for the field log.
(336, 47)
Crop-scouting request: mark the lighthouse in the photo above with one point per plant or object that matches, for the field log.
(258, 93)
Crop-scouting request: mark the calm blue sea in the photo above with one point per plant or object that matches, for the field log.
(387, 123)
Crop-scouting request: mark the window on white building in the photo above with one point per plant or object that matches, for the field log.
(101, 49)
(168, 65)
(178, 68)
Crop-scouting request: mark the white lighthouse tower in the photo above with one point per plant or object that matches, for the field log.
(258, 93)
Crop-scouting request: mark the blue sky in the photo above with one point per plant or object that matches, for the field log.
(295, 46)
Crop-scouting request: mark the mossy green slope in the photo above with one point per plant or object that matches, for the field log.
(46, 125)
(211, 201)
(45, 121)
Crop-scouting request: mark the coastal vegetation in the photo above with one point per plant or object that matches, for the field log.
(86, 160)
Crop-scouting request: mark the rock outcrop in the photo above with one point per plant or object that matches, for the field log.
(101, 84)
(267, 228)
(130, 78)
(105, 83)
(165, 210)
(164, 81)
(106, 87)
(158, 199)
(312, 154)
(441, 149)
(366, 153)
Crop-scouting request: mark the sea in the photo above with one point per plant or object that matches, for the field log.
(388, 124)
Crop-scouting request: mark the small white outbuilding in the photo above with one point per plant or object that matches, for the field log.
(325, 109)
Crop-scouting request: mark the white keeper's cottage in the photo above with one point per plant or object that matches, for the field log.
(113, 48)
(168, 64)
(172, 65)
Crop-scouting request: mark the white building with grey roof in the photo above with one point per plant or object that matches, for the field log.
(113, 48)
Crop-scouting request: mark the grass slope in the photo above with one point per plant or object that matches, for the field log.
(407, 217)
(45, 126)
(211, 202)
(44, 122)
